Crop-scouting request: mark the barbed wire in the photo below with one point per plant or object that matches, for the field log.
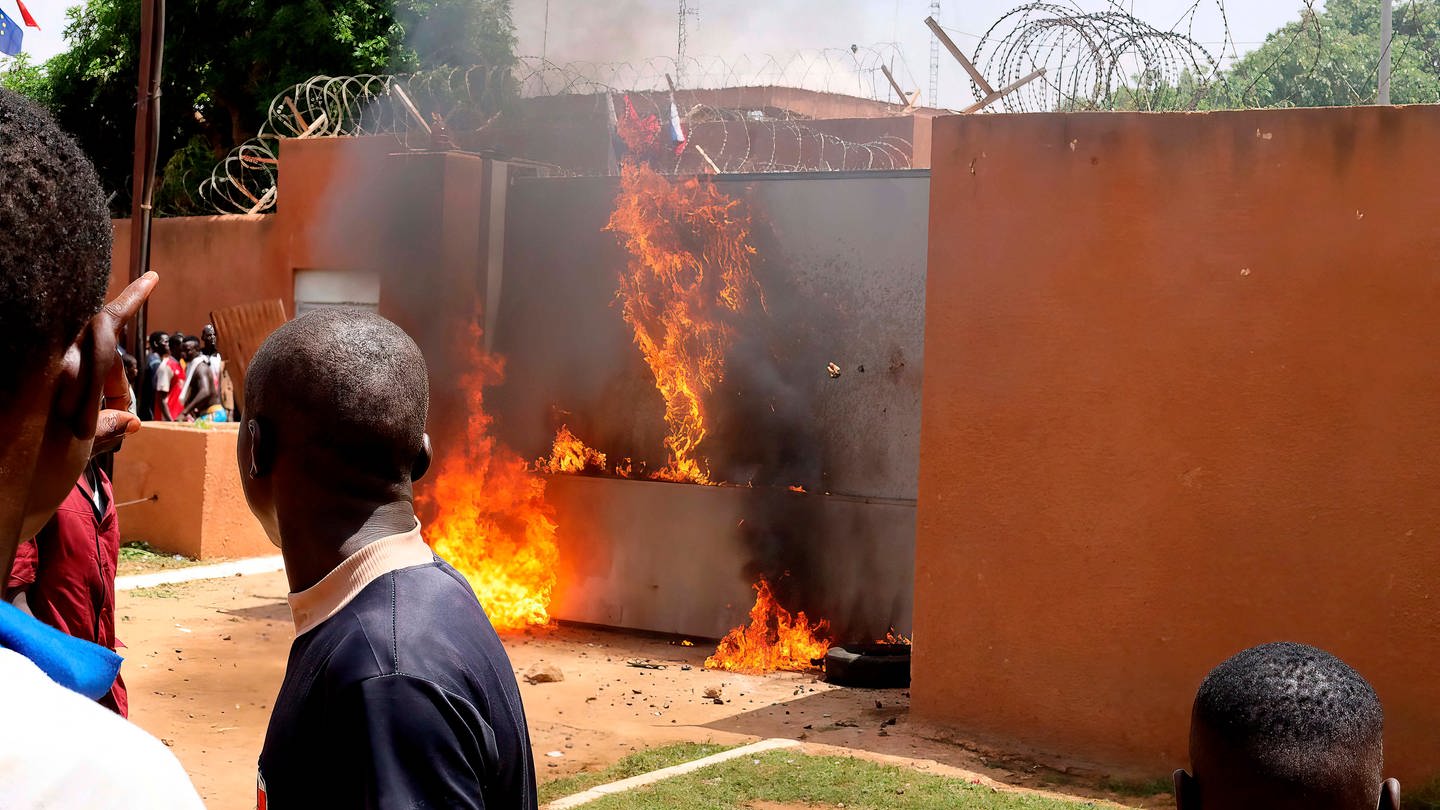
(1243, 94)
(335, 106)
(758, 137)
(1092, 60)
(1109, 59)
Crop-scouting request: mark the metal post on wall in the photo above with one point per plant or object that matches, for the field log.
(147, 146)
(1387, 34)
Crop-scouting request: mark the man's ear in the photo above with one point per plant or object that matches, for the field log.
(1187, 791)
(422, 461)
(1390, 795)
(262, 449)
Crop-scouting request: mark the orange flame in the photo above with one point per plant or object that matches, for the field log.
(774, 640)
(893, 637)
(491, 519)
(689, 268)
(570, 455)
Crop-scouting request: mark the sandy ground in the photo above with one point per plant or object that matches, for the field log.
(205, 659)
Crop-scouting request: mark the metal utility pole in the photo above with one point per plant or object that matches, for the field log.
(934, 99)
(1387, 34)
(147, 146)
(682, 42)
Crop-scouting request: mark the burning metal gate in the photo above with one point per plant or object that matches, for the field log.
(815, 426)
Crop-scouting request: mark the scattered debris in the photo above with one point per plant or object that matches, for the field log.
(643, 664)
(544, 673)
(833, 370)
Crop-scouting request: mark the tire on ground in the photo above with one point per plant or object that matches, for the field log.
(869, 666)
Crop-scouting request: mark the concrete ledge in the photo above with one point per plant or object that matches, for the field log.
(188, 490)
(175, 576)
(601, 791)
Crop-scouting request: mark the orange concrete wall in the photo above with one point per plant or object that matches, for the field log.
(1187, 405)
(198, 508)
(329, 216)
(206, 263)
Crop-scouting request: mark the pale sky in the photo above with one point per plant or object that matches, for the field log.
(626, 30)
(632, 30)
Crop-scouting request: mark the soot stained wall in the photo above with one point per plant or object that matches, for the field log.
(841, 261)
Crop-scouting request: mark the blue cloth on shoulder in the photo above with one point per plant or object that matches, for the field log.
(73, 663)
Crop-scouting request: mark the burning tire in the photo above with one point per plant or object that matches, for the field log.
(869, 666)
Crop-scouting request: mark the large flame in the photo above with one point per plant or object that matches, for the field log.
(570, 455)
(491, 520)
(774, 640)
(688, 274)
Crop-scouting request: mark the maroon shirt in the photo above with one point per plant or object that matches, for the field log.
(68, 572)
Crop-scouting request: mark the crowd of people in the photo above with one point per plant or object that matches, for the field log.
(184, 379)
(397, 692)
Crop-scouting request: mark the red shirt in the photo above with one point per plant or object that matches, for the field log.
(172, 403)
(68, 573)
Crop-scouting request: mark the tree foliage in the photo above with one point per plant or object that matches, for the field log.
(1332, 58)
(19, 74)
(225, 60)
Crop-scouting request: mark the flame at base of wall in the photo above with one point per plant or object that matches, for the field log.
(773, 641)
(490, 518)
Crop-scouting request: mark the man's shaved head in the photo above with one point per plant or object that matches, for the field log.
(342, 385)
(1287, 725)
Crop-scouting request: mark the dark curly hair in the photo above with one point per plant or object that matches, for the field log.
(54, 236)
(1295, 714)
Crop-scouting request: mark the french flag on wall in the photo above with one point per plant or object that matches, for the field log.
(677, 130)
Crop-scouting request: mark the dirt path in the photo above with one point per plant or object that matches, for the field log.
(205, 660)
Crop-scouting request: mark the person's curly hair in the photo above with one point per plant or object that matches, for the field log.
(55, 236)
(1297, 714)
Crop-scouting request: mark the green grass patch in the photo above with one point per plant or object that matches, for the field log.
(652, 759)
(1140, 788)
(1425, 797)
(794, 779)
(139, 558)
(157, 592)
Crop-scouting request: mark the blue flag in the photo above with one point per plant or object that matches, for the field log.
(10, 35)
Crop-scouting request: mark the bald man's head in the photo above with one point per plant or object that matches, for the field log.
(342, 386)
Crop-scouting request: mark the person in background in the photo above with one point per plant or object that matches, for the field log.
(62, 391)
(158, 348)
(210, 347)
(397, 692)
(132, 368)
(1284, 726)
(202, 386)
(166, 394)
(210, 344)
(177, 347)
(65, 576)
(152, 353)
